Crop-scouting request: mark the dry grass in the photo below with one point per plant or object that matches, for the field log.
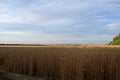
(63, 63)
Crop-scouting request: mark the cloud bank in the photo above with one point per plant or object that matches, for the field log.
(64, 21)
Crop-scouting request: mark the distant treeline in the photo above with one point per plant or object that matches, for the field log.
(55, 44)
(24, 44)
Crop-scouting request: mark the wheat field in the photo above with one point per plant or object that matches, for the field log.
(63, 62)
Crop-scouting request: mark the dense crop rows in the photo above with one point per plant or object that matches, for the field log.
(63, 63)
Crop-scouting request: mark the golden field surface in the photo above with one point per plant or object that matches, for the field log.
(92, 62)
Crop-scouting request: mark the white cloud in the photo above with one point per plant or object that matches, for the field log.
(7, 15)
(28, 16)
(68, 14)
(18, 33)
(44, 38)
(79, 26)
(113, 26)
(53, 12)
(12, 15)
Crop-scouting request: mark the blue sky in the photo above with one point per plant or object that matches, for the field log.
(59, 21)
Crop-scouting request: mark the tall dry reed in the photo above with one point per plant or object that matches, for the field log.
(63, 63)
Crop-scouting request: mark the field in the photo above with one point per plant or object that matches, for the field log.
(62, 62)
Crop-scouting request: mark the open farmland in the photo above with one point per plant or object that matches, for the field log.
(63, 62)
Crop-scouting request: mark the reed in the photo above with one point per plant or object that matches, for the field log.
(63, 63)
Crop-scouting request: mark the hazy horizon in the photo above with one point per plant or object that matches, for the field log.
(59, 21)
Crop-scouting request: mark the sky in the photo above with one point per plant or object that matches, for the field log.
(59, 21)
